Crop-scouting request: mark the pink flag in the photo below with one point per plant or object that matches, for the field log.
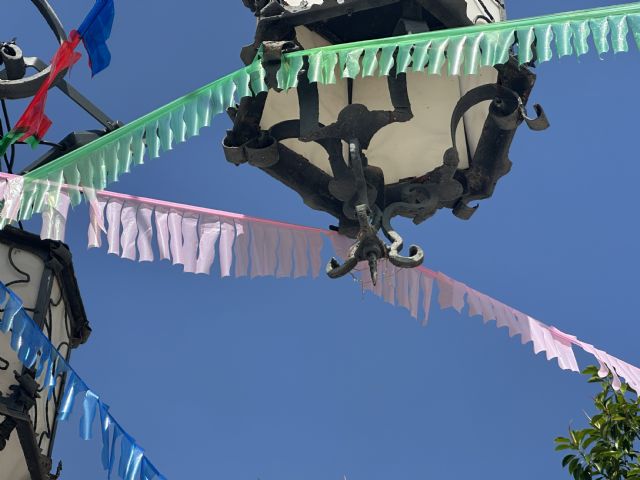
(427, 292)
(162, 231)
(175, 240)
(285, 251)
(114, 208)
(258, 251)
(301, 254)
(241, 248)
(145, 233)
(54, 218)
(190, 242)
(227, 241)
(315, 251)
(96, 221)
(209, 234)
(129, 230)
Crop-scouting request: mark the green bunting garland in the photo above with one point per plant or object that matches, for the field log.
(462, 50)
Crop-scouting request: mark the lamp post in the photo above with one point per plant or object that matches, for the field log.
(41, 273)
(368, 149)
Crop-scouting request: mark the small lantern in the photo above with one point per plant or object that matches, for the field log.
(371, 148)
(41, 273)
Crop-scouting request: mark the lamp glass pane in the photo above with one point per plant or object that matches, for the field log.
(402, 150)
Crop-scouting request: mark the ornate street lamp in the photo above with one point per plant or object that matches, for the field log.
(368, 149)
(41, 273)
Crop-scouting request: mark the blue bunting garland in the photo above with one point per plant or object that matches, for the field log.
(35, 350)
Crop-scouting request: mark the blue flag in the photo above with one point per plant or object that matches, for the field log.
(95, 31)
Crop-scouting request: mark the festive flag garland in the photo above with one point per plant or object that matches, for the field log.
(94, 32)
(195, 236)
(34, 350)
(464, 50)
(192, 236)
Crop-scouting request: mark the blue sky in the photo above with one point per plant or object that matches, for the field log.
(242, 379)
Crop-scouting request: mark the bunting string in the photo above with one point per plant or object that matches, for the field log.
(34, 349)
(462, 50)
(136, 228)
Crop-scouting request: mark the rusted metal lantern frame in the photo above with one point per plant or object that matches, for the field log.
(354, 191)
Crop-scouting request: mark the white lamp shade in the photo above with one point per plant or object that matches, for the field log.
(403, 150)
(58, 328)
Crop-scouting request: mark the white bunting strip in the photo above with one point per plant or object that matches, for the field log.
(194, 237)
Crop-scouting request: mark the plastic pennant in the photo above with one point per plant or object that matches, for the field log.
(72, 388)
(315, 242)
(227, 243)
(369, 62)
(426, 285)
(144, 220)
(241, 248)
(95, 30)
(526, 37)
(89, 408)
(581, 32)
(11, 309)
(162, 231)
(300, 254)
(96, 219)
(114, 210)
(12, 200)
(105, 426)
(189, 247)
(209, 233)
(175, 233)
(420, 56)
(285, 254)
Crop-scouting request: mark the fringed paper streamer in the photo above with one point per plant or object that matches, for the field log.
(106, 159)
(137, 228)
(463, 50)
(487, 45)
(36, 351)
(251, 246)
(407, 287)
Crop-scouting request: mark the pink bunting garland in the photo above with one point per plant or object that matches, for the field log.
(246, 245)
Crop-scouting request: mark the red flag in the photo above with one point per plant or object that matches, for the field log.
(33, 121)
(34, 124)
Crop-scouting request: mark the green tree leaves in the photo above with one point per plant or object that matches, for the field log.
(608, 448)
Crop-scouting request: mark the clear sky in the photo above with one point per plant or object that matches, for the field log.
(241, 379)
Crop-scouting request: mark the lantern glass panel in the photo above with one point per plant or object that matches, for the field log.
(402, 150)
